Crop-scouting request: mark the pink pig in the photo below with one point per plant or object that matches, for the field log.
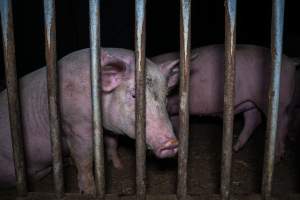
(251, 89)
(118, 101)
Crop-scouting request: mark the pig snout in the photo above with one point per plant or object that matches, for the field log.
(160, 136)
(167, 148)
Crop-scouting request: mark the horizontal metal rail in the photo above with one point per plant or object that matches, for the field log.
(76, 196)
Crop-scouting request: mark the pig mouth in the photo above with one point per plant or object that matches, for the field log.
(169, 150)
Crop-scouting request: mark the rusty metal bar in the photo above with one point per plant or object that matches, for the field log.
(229, 94)
(185, 46)
(13, 95)
(53, 99)
(95, 43)
(140, 73)
(276, 52)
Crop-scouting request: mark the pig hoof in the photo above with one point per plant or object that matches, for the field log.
(87, 187)
(115, 159)
(117, 163)
(89, 191)
(237, 147)
(280, 152)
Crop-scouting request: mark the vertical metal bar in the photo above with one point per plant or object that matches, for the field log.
(140, 124)
(229, 94)
(95, 43)
(53, 100)
(185, 46)
(13, 95)
(276, 51)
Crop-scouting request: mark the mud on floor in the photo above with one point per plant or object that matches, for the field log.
(203, 166)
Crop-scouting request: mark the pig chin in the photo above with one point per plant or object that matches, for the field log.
(166, 153)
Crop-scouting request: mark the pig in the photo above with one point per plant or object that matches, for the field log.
(118, 103)
(251, 89)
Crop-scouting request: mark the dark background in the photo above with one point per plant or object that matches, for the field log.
(117, 27)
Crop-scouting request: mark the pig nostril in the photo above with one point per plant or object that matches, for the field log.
(174, 142)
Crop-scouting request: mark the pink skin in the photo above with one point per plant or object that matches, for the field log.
(251, 93)
(75, 103)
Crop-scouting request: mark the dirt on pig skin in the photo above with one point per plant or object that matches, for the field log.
(203, 166)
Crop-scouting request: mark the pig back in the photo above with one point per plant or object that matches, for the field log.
(252, 77)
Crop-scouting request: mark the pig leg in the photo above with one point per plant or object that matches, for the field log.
(252, 118)
(283, 120)
(111, 142)
(80, 143)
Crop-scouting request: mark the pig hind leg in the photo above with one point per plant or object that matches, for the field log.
(282, 131)
(252, 118)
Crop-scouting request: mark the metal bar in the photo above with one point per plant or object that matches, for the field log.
(276, 51)
(185, 46)
(140, 73)
(13, 95)
(229, 94)
(76, 196)
(95, 43)
(53, 92)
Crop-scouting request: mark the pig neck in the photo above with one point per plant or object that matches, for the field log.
(108, 118)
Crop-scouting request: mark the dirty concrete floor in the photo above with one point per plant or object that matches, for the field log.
(203, 166)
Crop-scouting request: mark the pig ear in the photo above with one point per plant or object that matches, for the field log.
(112, 76)
(170, 70)
(112, 71)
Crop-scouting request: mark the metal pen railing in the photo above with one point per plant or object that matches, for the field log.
(185, 46)
(140, 73)
(53, 95)
(13, 95)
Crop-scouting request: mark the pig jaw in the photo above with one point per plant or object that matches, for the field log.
(161, 139)
(167, 150)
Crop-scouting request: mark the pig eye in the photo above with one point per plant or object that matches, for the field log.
(132, 93)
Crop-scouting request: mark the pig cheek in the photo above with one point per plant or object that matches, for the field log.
(127, 116)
